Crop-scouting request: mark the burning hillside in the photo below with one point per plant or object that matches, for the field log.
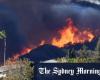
(23, 52)
(69, 34)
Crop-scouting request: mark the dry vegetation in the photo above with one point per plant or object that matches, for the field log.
(19, 70)
(83, 55)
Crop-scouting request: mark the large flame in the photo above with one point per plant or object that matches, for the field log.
(71, 34)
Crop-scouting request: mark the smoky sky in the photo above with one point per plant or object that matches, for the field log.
(29, 21)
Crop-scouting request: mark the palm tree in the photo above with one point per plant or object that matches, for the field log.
(3, 36)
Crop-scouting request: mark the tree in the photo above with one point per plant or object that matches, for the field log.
(98, 47)
(19, 70)
(83, 52)
(3, 36)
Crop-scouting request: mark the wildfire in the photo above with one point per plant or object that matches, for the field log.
(42, 42)
(23, 52)
(71, 34)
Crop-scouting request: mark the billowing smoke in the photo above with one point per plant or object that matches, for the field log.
(29, 21)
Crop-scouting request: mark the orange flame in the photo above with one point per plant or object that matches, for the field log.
(71, 34)
(42, 42)
(23, 52)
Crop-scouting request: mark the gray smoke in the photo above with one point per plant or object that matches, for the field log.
(30, 21)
